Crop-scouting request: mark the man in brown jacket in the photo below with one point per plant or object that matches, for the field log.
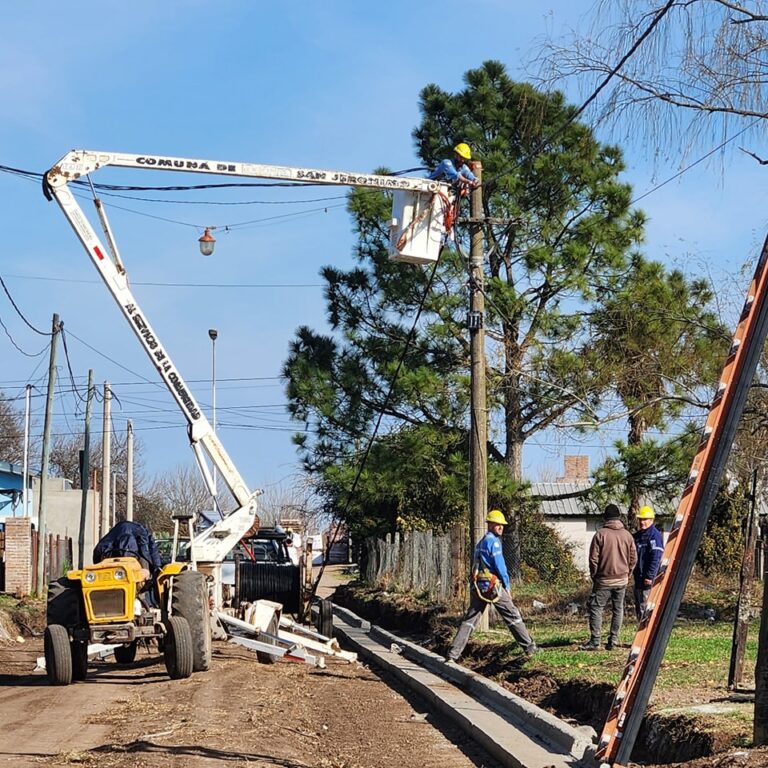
(612, 558)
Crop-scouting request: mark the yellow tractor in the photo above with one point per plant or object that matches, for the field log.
(104, 603)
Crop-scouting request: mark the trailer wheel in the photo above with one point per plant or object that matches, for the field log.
(126, 654)
(190, 601)
(325, 617)
(79, 653)
(58, 655)
(272, 629)
(178, 648)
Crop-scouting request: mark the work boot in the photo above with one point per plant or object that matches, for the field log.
(532, 650)
(590, 646)
(611, 645)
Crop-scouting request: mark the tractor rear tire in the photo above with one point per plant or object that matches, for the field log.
(58, 655)
(178, 648)
(272, 629)
(64, 602)
(325, 617)
(79, 653)
(190, 601)
(126, 654)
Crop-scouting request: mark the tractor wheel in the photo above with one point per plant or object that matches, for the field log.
(64, 602)
(272, 629)
(190, 601)
(58, 655)
(325, 617)
(125, 654)
(178, 648)
(79, 653)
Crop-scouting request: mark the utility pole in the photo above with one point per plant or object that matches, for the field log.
(741, 623)
(45, 461)
(85, 471)
(25, 468)
(129, 472)
(478, 451)
(106, 451)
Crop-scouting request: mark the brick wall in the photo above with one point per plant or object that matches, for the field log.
(18, 555)
(576, 468)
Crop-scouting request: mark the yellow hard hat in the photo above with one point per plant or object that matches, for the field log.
(496, 516)
(463, 150)
(646, 513)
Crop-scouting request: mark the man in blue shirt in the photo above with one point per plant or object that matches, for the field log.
(650, 548)
(490, 585)
(456, 171)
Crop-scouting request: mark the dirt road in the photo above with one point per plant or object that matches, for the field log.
(239, 713)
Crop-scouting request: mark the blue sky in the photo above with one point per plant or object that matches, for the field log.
(329, 85)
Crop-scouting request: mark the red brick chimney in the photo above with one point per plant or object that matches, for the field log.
(576, 468)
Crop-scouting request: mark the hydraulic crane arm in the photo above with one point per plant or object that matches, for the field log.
(416, 233)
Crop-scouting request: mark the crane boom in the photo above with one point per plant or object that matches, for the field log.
(416, 233)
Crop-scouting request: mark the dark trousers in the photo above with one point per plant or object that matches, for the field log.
(598, 600)
(508, 611)
(641, 598)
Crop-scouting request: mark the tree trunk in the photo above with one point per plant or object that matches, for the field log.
(638, 426)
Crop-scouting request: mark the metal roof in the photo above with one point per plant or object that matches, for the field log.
(576, 506)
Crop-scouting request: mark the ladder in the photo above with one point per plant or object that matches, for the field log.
(642, 666)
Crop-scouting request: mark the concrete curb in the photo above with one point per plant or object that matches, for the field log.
(547, 729)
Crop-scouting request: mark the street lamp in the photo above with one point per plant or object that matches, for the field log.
(213, 335)
(207, 242)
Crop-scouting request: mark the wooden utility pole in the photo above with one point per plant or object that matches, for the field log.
(45, 461)
(760, 726)
(478, 451)
(129, 473)
(85, 472)
(741, 623)
(106, 448)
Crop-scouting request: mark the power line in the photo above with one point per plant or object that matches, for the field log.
(156, 284)
(19, 312)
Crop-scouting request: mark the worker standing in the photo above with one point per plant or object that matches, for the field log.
(457, 171)
(490, 585)
(612, 557)
(650, 547)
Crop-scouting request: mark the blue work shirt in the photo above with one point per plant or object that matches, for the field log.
(650, 548)
(446, 170)
(490, 555)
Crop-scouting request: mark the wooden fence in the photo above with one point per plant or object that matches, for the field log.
(58, 558)
(419, 562)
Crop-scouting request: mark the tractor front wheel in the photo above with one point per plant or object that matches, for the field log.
(125, 654)
(178, 648)
(58, 655)
(79, 652)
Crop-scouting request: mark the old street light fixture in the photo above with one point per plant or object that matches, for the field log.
(207, 242)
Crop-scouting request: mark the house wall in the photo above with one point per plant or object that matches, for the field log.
(578, 532)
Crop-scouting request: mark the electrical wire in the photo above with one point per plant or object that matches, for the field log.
(19, 312)
(18, 348)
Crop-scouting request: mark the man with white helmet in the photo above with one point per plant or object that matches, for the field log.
(650, 547)
(490, 585)
(457, 171)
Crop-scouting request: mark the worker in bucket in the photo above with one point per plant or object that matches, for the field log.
(650, 547)
(457, 171)
(490, 586)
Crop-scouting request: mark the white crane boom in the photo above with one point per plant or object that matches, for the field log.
(417, 229)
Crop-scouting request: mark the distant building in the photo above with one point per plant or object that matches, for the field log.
(12, 491)
(574, 518)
